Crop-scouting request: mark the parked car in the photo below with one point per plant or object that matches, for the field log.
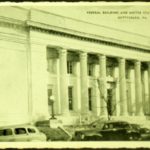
(21, 133)
(145, 132)
(111, 131)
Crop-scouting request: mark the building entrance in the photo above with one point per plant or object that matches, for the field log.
(109, 101)
(111, 106)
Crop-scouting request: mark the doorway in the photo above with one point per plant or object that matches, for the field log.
(110, 101)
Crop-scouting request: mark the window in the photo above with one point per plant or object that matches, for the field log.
(109, 101)
(70, 97)
(20, 131)
(5, 132)
(31, 130)
(50, 92)
(90, 69)
(51, 66)
(69, 67)
(109, 71)
(127, 74)
(90, 98)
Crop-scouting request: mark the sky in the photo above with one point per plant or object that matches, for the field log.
(133, 18)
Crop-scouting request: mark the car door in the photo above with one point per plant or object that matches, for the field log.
(109, 132)
(6, 135)
(20, 134)
(145, 134)
(106, 132)
(33, 134)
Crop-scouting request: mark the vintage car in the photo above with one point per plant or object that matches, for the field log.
(145, 132)
(21, 133)
(111, 131)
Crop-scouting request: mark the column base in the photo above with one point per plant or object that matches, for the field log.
(140, 114)
(103, 113)
(124, 114)
(65, 113)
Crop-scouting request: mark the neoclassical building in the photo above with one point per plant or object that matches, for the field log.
(86, 69)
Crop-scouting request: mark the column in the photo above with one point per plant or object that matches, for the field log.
(116, 94)
(129, 93)
(132, 91)
(58, 88)
(63, 81)
(145, 96)
(123, 94)
(138, 88)
(149, 84)
(103, 84)
(77, 90)
(96, 96)
(84, 83)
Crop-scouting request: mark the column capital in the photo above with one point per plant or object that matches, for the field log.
(83, 54)
(137, 62)
(101, 56)
(121, 60)
(62, 51)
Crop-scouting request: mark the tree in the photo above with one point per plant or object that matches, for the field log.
(110, 107)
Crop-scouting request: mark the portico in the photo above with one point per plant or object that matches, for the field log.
(91, 84)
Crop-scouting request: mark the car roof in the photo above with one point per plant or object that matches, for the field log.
(18, 126)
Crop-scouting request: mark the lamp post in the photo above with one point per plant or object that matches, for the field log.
(52, 100)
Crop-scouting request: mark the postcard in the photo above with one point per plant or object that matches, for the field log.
(75, 75)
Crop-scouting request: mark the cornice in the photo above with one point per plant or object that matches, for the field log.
(16, 25)
(84, 36)
(40, 27)
(12, 23)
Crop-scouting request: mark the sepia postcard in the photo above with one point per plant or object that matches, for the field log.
(74, 75)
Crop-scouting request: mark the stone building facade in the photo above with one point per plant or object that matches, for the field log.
(84, 67)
